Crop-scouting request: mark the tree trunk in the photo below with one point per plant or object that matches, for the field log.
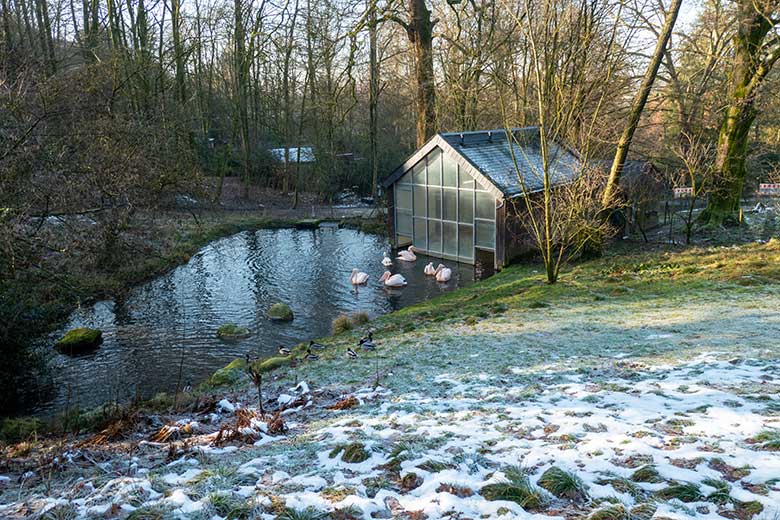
(638, 106)
(752, 62)
(420, 32)
(373, 94)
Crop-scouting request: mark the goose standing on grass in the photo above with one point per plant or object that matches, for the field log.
(284, 351)
(386, 260)
(316, 346)
(393, 280)
(429, 269)
(351, 354)
(443, 274)
(311, 356)
(358, 278)
(407, 255)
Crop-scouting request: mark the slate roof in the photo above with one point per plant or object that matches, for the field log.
(489, 153)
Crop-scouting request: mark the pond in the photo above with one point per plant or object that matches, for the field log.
(170, 323)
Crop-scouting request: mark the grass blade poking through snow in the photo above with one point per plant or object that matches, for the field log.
(562, 484)
(516, 489)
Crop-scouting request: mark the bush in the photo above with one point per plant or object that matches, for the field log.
(21, 428)
(360, 318)
(341, 323)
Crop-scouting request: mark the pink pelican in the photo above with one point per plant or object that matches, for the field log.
(358, 278)
(386, 261)
(393, 280)
(407, 255)
(443, 274)
(429, 269)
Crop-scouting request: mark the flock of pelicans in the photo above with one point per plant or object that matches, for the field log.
(441, 273)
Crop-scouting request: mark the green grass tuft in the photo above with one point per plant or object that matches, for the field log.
(767, 440)
(647, 473)
(610, 512)
(562, 484)
(341, 323)
(687, 492)
(517, 489)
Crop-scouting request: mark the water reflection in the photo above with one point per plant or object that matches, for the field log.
(172, 320)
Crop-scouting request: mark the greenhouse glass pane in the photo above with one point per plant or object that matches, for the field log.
(434, 236)
(486, 234)
(434, 202)
(403, 197)
(466, 180)
(419, 201)
(465, 241)
(418, 172)
(434, 168)
(450, 204)
(449, 238)
(486, 205)
(465, 206)
(450, 176)
(406, 179)
(403, 222)
(420, 237)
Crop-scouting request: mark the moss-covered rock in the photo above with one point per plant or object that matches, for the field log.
(228, 374)
(232, 332)
(280, 312)
(79, 340)
(264, 366)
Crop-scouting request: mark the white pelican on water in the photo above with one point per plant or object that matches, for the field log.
(358, 278)
(429, 269)
(407, 255)
(386, 261)
(393, 280)
(443, 274)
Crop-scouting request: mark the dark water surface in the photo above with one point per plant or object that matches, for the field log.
(173, 319)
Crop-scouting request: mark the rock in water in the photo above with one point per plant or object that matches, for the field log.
(280, 312)
(77, 341)
(232, 332)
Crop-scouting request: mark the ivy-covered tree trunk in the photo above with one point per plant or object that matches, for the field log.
(754, 56)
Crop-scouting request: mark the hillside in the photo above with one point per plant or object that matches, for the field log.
(640, 385)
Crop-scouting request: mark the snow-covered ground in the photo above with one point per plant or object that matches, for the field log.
(657, 408)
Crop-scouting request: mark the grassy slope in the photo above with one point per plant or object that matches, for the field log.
(514, 341)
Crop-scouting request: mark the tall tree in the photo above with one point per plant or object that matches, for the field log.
(756, 50)
(638, 105)
(419, 29)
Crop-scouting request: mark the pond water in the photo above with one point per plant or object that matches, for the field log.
(171, 322)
